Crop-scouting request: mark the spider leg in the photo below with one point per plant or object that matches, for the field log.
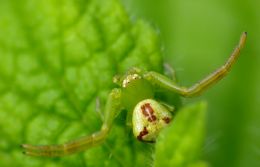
(98, 109)
(164, 82)
(113, 106)
(170, 72)
(168, 106)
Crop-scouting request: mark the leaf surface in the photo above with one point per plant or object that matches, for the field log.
(181, 144)
(56, 58)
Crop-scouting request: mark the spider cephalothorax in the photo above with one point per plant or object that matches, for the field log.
(136, 94)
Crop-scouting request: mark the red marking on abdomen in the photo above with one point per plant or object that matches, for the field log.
(167, 120)
(142, 133)
(148, 111)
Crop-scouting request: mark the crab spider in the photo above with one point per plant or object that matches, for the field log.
(136, 94)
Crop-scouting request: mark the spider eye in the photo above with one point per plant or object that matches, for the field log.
(130, 78)
(149, 117)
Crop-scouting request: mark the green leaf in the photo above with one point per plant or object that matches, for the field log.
(56, 58)
(180, 145)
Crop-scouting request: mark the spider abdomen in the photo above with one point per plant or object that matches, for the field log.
(149, 117)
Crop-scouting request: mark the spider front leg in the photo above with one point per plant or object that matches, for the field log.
(112, 108)
(196, 89)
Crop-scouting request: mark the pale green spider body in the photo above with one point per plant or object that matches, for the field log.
(146, 113)
(149, 117)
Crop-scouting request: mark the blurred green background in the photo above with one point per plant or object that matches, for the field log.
(198, 37)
